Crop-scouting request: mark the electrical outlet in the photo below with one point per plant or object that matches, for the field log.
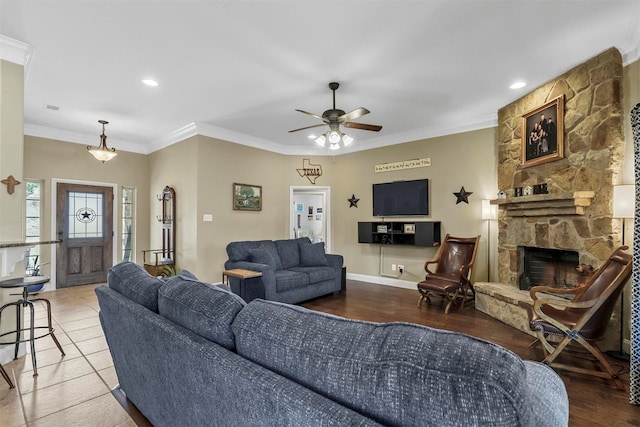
(393, 267)
(400, 268)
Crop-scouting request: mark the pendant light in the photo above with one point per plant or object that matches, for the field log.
(102, 152)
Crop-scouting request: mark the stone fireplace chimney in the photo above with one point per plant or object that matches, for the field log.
(576, 214)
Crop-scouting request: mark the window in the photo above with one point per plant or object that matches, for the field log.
(33, 229)
(86, 215)
(128, 210)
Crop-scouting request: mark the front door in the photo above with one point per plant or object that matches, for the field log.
(84, 220)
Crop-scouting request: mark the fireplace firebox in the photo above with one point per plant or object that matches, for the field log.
(555, 268)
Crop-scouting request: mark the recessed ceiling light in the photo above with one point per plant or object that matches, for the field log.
(312, 136)
(150, 82)
(517, 85)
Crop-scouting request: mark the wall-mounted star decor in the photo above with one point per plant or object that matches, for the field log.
(463, 195)
(353, 202)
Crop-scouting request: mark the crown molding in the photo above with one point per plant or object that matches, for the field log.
(212, 131)
(82, 138)
(174, 137)
(15, 51)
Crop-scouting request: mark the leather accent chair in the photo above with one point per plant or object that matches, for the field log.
(451, 279)
(560, 324)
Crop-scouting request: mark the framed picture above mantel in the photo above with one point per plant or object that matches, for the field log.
(543, 133)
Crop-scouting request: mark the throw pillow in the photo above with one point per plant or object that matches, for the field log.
(313, 255)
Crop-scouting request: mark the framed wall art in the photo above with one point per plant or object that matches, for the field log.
(247, 197)
(543, 133)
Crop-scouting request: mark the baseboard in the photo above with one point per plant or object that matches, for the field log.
(405, 284)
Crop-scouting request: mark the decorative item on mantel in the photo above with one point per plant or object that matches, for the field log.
(10, 182)
(353, 201)
(463, 195)
(102, 152)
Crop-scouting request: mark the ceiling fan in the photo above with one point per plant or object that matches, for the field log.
(336, 117)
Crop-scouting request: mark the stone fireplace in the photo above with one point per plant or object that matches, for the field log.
(576, 214)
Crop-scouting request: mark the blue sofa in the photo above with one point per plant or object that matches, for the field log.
(293, 270)
(189, 353)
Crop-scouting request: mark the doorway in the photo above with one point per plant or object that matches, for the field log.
(310, 214)
(84, 220)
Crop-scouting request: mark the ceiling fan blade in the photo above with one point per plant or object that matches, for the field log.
(311, 114)
(352, 115)
(362, 126)
(307, 127)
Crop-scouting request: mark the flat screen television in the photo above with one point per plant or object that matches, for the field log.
(401, 198)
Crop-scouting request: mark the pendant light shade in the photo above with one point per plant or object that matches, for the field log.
(102, 152)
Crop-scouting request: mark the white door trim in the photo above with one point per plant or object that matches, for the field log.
(54, 232)
(326, 193)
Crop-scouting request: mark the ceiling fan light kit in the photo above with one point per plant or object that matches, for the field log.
(334, 118)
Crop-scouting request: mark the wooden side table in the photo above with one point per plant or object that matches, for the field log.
(241, 274)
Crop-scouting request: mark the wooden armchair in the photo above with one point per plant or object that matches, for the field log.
(582, 320)
(451, 280)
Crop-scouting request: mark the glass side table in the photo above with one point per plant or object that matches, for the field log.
(25, 283)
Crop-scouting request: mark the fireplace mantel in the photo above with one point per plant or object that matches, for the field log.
(555, 204)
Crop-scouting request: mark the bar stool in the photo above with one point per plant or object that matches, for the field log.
(6, 377)
(25, 301)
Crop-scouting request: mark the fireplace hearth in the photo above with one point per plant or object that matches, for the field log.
(555, 268)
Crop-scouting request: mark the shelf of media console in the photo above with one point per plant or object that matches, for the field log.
(408, 233)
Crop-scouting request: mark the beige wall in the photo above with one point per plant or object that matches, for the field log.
(176, 166)
(202, 171)
(12, 206)
(466, 159)
(11, 152)
(47, 159)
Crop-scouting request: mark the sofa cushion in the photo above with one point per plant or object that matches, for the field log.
(288, 252)
(289, 279)
(270, 248)
(312, 255)
(240, 251)
(387, 371)
(316, 274)
(261, 256)
(205, 309)
(133, 281)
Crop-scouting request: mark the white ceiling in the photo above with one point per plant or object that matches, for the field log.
(236, 70)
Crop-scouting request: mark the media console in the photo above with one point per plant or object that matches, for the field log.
(412, 233)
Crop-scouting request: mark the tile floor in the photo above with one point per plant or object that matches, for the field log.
(74, 390)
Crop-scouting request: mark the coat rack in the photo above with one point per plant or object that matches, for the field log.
(165, 257)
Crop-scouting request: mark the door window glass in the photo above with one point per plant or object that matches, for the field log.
(85, 215)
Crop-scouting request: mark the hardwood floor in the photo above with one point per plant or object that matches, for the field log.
(75, 390)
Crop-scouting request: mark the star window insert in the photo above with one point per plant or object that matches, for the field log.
(85, 215)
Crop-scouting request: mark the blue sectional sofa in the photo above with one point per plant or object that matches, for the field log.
(293, 270)
(189, 353)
